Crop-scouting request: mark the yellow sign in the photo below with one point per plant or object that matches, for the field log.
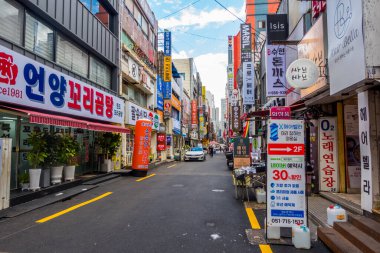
(160, 115)
(167, 68)
(204, 94)
(176, 103)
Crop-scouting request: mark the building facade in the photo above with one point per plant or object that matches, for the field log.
(138, 36)
(60, 66)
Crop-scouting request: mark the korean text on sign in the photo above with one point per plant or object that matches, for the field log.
(328, 158)
(24, 81)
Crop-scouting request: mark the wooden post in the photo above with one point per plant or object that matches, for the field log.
(341, 148)
(5, 171)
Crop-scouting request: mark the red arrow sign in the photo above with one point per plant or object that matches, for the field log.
(286, 149)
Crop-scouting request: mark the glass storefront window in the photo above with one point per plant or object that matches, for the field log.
(71, 57)
(100, 73)
(11, 20)
(39, 38)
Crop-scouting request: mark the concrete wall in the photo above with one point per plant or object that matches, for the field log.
(371, 17)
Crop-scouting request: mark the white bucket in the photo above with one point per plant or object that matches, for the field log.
(272, 232)
(301, 237)
(336, 213)
(261, 195)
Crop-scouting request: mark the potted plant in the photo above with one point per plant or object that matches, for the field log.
(36, 158)
(55, 159)
(110, 143)
(23, 180)
(68, 152)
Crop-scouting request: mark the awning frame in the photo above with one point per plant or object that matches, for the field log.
(64, 121)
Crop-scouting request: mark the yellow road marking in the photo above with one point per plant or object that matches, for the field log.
(171, 166)
(265, 248)
(252, 219)
(73, 208)
(143, 178)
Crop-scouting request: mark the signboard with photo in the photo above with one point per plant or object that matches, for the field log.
(241, 147)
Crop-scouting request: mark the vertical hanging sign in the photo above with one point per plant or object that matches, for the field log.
(160, 99)
(328, 155)
(236, 122)
(365, 152)
(276, 71)
(286, 201)
(167, 65)
(246, 59)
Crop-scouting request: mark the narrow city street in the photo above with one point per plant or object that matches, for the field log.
(182, 207)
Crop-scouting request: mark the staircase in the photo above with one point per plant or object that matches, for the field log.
(359, 234)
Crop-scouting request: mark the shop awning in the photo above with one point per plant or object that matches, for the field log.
(107, 128)
(265, 113)
(56, 120)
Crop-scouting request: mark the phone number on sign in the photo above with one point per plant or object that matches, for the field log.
(287, 221)
(11, 92)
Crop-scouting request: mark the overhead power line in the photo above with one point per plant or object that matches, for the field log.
(236, 16)
(202, 36)
(183, 8)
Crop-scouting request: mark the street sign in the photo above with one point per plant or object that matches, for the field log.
(286, 202)
(286, 149)
(280, 112)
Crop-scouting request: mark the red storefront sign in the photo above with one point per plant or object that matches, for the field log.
(161, 142)
(318, 7)
(194, 114)
(280, 112)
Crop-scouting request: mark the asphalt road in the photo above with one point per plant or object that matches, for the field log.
(184, 207)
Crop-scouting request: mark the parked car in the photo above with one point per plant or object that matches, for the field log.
(195, 153)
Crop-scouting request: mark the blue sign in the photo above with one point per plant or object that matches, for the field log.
(160, 99)
(167, 90)
(167, 43)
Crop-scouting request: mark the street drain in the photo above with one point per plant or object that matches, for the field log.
(177, 185)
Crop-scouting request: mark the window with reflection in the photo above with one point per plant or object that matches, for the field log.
(39, 38)
(96, 8)
(11, 20)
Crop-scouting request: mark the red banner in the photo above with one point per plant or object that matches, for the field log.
(280, 112)
(161, 142)
(194, 114)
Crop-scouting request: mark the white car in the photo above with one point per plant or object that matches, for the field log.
(195, 153)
